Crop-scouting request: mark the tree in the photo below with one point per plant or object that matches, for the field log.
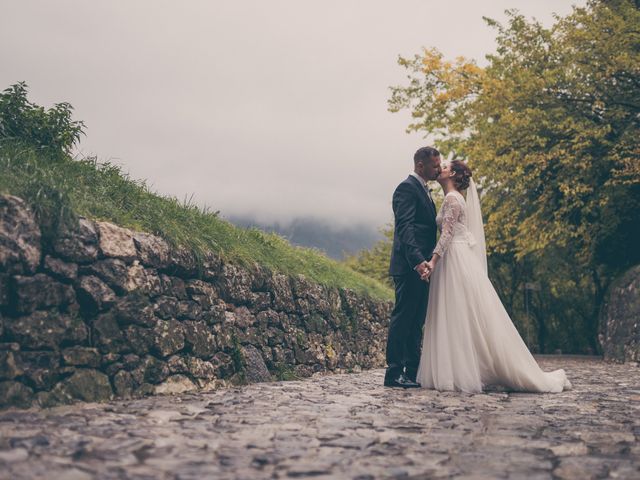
(550, 128)
(374, 262)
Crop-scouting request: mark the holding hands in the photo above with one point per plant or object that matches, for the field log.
(425, 269)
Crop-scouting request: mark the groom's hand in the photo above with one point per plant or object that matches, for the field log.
(423, 270)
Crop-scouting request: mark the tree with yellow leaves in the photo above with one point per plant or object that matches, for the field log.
(550, 128)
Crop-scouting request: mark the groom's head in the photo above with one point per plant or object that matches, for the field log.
(426, 162)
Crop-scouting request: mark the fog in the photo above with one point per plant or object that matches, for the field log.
(272, 109)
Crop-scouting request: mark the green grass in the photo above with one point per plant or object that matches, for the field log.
(59, 188)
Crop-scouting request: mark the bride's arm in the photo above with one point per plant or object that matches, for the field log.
(451, 210)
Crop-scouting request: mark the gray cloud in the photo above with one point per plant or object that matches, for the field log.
(275, 109)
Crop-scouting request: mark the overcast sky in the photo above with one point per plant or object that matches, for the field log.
(267, 108)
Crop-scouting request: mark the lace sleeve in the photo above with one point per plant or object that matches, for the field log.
(451, 210)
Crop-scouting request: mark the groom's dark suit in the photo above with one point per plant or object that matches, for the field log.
(414, 239)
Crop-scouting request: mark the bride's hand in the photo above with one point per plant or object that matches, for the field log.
(431, 264)
(427, 272)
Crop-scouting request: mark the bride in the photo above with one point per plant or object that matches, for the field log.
(469, 341)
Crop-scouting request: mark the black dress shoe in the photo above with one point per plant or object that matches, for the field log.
(401, 381)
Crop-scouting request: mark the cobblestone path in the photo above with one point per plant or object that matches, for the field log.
(341, 426)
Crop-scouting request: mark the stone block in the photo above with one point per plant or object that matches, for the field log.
(94, 295)
(282, 294)
(39, 292)
(47, 330)
(189, 310)
(140, 339)
(260, 301)
(40, 369)
(243, 318)
(199, 339)
(166, 307)
(182, 262)
(216, 314)
(211, 266)
(81, 356)
(151, 370)
(235, 284)
(203, 293)
(8, 367)
(142, 280)
(107, 334)
(116, 242)
(84, 384)
(124, 384)
(175, 384)
(196, 368)
(168, 337)
(255, 369)
(20, 236)
(172, 286)
(60, 269)
(112, 271)
(134, 309)
(224, 364)
(620, 319)
(153, 251)
(15, 394)
(79, 244)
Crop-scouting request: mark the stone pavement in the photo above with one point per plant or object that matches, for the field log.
(340, 426)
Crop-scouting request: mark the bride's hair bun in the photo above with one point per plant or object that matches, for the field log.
(462, 174)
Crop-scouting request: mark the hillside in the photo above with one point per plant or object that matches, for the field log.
(36, 164)
(61, 187)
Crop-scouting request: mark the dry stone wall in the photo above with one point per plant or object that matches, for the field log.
(620, 319)
(103, 312)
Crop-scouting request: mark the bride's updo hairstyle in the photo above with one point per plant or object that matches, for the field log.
(462, 174)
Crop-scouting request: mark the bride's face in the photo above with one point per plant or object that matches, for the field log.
(445, 173)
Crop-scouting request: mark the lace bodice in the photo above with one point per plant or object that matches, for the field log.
(452, 222)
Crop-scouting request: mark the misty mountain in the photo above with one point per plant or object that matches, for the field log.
(335, 241)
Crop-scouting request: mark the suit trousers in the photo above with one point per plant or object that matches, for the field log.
(405, 327)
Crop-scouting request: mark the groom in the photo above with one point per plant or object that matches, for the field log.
(414, 239)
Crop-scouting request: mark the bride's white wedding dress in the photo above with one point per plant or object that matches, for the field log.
(469, 341)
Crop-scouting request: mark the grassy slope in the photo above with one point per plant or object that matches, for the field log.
(102, 191)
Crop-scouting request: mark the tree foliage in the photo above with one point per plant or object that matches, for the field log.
(550, 128)
(374, 262)
(50, 129)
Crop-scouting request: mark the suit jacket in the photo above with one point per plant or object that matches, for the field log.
(415, 230)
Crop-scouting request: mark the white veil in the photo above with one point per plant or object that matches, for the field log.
(475, 225)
